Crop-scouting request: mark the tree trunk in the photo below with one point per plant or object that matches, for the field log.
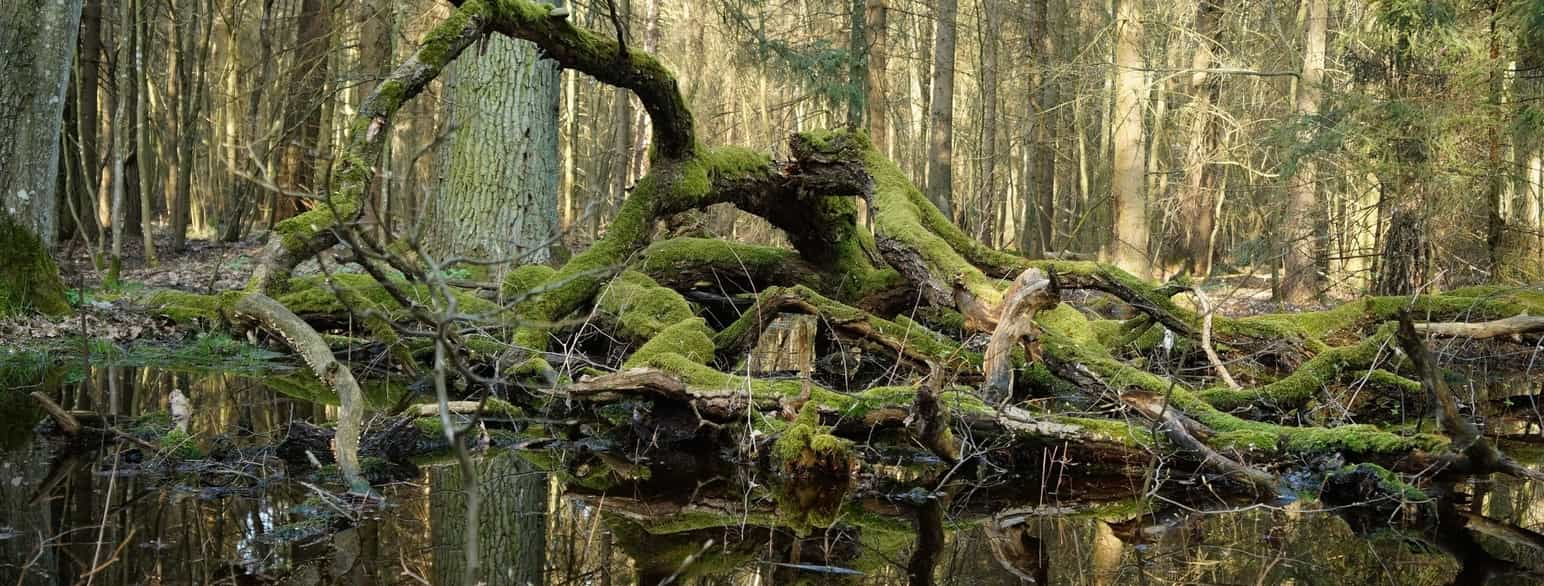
(498, 201)
(120, 131)
(143, 155)
(940, 166)
(1300, 279)
(37, 47)
(1038, 230)
(1129, 246)
(253, 154)
(1198, 204)
(303, 112)
(990, 18)
(876, 20)
(88, 84)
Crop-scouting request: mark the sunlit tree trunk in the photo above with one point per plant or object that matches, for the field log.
(876, 21)
(498, 200)
(940, 159)
(1129, 246)
(1300, 280)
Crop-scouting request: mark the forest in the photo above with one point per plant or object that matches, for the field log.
(747, 292)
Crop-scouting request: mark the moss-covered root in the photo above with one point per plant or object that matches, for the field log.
(909, 341)
(299, 238)
(688, 263)
(1090, 366)
(806, 449)
(1298, 389)
(29, 280)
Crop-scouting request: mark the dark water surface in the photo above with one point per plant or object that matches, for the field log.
(74, 520)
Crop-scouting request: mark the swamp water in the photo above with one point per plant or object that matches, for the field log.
(107, 518)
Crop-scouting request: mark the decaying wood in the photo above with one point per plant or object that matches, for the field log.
(67, 423)
(787, 345)
(274, 317)
(1508, 327)
(1467, 439)
(1206, 339)
(1032, 291)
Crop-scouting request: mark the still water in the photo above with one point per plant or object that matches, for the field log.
(98, 519)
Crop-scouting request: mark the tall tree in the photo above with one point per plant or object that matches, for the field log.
(1038, 229)
(876, 21)
(303, 113)
(940, 159)
(192, 59)
(37, 46)
(498, 200)
(1198, 203)
(1129, 245)
(142, 152)
(1300, 280)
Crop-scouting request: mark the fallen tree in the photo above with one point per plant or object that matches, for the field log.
(897, 302)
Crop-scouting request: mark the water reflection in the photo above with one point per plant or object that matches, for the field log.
(70, 519)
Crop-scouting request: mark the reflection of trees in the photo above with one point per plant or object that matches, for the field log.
(511, 531)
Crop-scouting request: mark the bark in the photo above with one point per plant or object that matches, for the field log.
(1129, 240)
(1300, 280)
(876, 17)
(510, 545)
(37, 47)
(498, 199)
(940, 155)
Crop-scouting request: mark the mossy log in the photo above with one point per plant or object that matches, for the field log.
(866, 283)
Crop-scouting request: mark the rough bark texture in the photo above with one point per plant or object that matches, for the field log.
(498, 200)
(37, 47)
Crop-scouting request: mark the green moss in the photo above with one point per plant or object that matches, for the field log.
(315, 295)
(806, 447)
(525, 278)
(1296, 390)
(642, 308)
(1389, 482)
(687, 338)
(29, 280)
(915, 338)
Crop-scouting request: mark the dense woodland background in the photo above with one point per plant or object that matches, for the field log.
(1336, 147)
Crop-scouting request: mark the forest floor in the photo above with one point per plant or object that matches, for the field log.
(210, 266)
